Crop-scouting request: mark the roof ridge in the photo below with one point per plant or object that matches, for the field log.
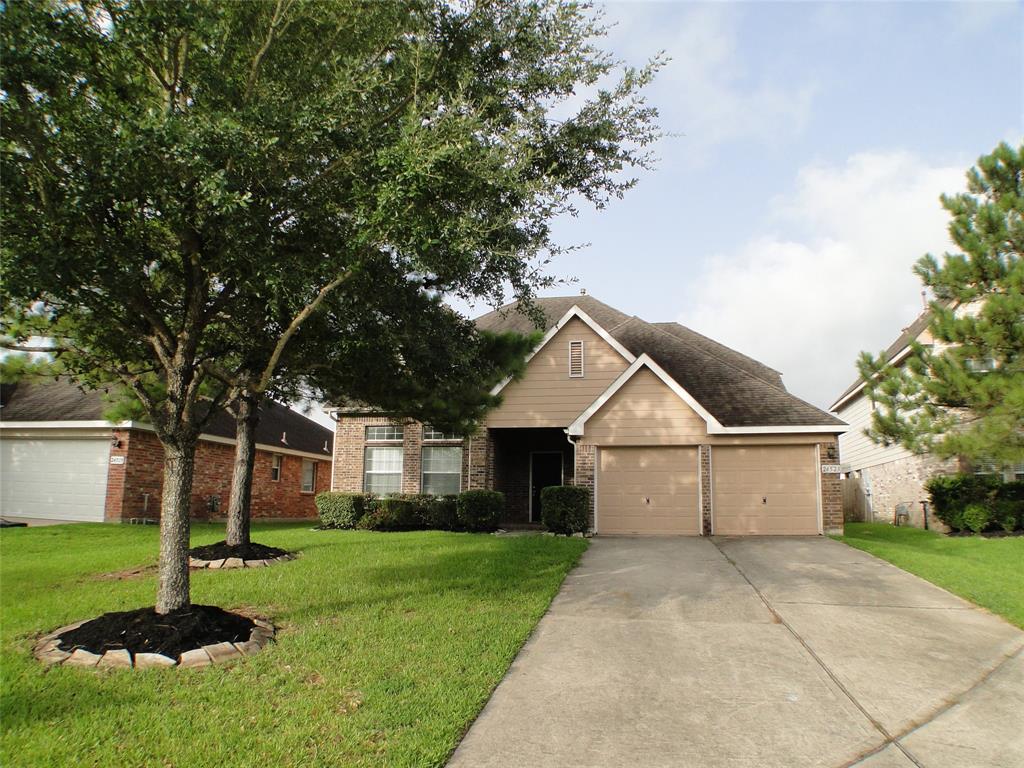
(722, 361)
(718, 343)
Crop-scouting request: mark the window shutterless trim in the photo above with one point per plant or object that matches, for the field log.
(424, 472)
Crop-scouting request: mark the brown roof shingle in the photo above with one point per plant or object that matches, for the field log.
(62, 400)
(736, 389)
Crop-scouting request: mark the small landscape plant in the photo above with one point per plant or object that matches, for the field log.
(480, 510)
(565, 508)
(340, 510)
(951, 494)
(977, 516)
(391, 513)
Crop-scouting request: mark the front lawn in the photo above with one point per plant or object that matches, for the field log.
(389, 645)
(985, 571)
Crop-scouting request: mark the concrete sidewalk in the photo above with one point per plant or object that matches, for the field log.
(754, 652)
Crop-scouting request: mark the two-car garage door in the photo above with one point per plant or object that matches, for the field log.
(766, 490)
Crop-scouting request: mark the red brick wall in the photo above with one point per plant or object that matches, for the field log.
(831, 490)
(142, 473)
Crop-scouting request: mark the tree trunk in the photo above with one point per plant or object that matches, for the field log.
(246, 418)
(179, 463)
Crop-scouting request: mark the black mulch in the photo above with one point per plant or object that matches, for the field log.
(146, 631)
(221, 551)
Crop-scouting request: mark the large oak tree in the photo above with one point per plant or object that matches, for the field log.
(169, 166)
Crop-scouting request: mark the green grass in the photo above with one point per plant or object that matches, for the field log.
(987, 572)
(389, 645)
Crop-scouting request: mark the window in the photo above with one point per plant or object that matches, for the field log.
(980, 364)
(429, 433)
(1017, 471)
(382, 470)
(442, 470)
(576, 359)
(387, 432)
(985, 468)
(308, 476)
(275, 467)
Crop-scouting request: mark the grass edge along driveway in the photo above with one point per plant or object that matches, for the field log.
(389, 645)
(985, 571)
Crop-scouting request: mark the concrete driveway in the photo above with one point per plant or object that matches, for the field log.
(754, 652)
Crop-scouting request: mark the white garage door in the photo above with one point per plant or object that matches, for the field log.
(53, 478)
(648, 491)
(764, 490)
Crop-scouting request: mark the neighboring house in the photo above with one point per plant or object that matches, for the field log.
(61, 460)
(879, 479)
(673, 432)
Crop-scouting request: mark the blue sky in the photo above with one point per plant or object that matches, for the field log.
(815, 141)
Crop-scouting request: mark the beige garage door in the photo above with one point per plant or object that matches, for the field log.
(771, 489)
(647, 491)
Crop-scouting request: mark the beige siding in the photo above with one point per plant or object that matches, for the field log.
(764, 490)
(648, 491)
(645, 412)
(855, 449)
(546, 396)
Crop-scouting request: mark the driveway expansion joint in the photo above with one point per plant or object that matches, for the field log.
(888, 739)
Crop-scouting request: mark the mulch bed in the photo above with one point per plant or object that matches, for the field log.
(221, 551)
(146, 631)
(985, 535)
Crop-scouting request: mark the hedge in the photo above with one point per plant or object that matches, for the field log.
(565, 508)
(977, 502)
(340, 510)
(480, 510)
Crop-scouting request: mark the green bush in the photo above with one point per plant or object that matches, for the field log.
(391, 513)
(480, 510)
(977, 517)
(565, 508)
(340, 510)
(440, 513)
(951, 494)
(1007, 514)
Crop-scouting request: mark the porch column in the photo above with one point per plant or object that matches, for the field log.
(480, 474)
(584, 473)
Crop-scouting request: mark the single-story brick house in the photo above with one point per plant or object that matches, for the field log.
(673, 432)
(61, 460)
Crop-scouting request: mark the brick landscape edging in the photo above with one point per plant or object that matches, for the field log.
(47, 651)
(237, 562)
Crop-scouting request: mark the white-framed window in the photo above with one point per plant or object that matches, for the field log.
(382, 469)
(385, 432)
(429, 433)
(575, 359)
(308, 476)
(986, 468)
(1017, 471)
(275, 466)
(442, 469)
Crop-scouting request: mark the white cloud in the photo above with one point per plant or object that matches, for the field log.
(708, 92)
(836, 277)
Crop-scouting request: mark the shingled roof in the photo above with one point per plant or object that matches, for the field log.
(736, 389)
(62, 400)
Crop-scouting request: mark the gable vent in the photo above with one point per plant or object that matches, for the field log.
(576, 359)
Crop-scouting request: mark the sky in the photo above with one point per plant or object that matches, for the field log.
(809, 145)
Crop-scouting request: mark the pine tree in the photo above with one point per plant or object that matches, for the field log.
(963, 395)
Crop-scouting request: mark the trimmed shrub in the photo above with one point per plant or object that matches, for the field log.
(977, 516)
(340, 510)
(1008, 514)
(951, 494)
(565, 508)
(391, 513)
(480, 510)
(440, 512)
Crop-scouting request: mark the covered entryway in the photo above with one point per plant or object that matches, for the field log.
(648, 491)
(765, 490)
(54, 478)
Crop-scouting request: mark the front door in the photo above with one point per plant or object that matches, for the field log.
(545, 470)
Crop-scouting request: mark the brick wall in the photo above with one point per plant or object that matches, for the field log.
(705, 489)
(583, 474)
(141, 474)
(902, 482)
(831, 490)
